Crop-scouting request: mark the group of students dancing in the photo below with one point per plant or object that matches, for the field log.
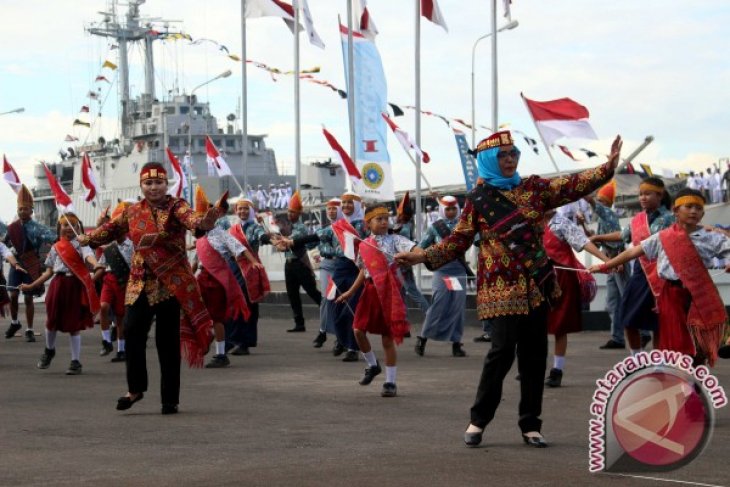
(529, 282)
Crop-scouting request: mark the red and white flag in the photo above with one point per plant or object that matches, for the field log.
(348, 238)
(453, 284)
(88, 179)
(314, 38)
(10, 176)
(63, 200)
(216, 163)
(180, 181)
(331, 293)
(405, 140)
(559, 118)
(271, 8)
(343, 156)
(363, 20)
(430, 9)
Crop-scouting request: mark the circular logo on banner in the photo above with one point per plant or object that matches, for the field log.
(661, 419)
(373, 175)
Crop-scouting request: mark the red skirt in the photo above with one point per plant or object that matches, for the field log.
(112, 293)
(65, 305)
(566, 316)
(214, 296)
(673, 304)
(369, 315)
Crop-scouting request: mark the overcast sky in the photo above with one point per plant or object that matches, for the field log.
(654, 67)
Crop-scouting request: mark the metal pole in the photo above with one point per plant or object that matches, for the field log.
(244, 96)
(351, 82)
(495, 107)
(418, 129)
(648, 140)
(297, 127)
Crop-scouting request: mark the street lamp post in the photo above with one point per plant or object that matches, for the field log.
(509, 26)
(189, 191)
(17, 110)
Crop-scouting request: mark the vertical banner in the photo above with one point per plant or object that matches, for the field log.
(468, 162)
(371, 99)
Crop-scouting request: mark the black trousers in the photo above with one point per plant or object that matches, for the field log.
(296, 275)
(167, 340)
(525, 335)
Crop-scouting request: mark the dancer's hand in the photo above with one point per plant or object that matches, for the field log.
(343, 297)
(615, 154)
(416, 256)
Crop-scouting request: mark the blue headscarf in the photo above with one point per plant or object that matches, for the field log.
(489, 170)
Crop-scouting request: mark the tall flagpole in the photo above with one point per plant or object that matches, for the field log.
(351, 82)
(495, 101)
(244, 99)
(418, 130)
(297, 135)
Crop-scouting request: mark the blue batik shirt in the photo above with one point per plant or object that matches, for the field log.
(608, 223)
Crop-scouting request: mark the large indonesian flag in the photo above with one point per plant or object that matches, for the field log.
(180, 181)
(271, 8)
(343, 157)
(560, 118)
(216, 163)
(63, 200)
(10, 176)
(88, 179)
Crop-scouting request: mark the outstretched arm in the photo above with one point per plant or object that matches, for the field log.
(620, 259)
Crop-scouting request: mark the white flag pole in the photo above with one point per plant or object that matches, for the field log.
(417, 161)
(297, 123)
(244, 98)
(351, 82)
(547, 148)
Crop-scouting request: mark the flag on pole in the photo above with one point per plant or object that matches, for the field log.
(271, 8)
(468, 161)
(405, 140)
(180, 181)
(560, 118)
(216, 163)
(363, 20)
(507, 8)
(342, 156)
(314, 38)
(10, 176)
(88, 179)
(348, 238)
(453, 284)
(331, 293)
(63, 200)
(109, 64)
(430, 9)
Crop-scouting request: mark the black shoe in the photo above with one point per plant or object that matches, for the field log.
(218, 362)
(126, 402)
(338, 349)
(407, 335)
(350, 356)
(473, 439)
(240, 350)
(29, 336)
(169, 409)
(645, 339)
(555, 378)
(370, 373)
(534, 441)
(297, 329)
(457, 349)
(120, 357)
(320, 339)
(46, 358)
(420, 347)
(612, 344)
(106, 348)
(483, 338)
(74, 368)
(724, 351)
(12, 329)
(389, 390)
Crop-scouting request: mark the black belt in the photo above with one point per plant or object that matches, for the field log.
(67, 274)
(676, 283)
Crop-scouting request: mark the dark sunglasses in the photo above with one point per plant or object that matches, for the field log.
(514, 153)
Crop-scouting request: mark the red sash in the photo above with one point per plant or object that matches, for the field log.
(562, 254)
(170, 265)
(387, 286)
(707, 317)
(71, 258)
(217, 267)
(640, 231)
(257, 282)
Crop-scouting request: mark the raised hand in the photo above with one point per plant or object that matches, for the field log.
(615, 154)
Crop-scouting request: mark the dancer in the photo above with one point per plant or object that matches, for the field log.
(516, 279)
(445, 318)
(692, 315)
(71, 301)
(380, 309)
(404, 227)
(328, 250)
(6, 254)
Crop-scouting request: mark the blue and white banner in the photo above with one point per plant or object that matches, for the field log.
(468, 162)
(371, 100)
